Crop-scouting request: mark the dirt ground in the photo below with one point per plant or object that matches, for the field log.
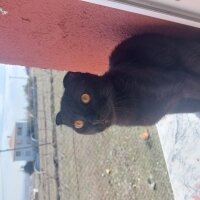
(113, 165)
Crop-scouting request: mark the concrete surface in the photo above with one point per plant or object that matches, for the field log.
(180, 139)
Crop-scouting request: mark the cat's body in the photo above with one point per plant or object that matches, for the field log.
(157, 51)
(149, 76)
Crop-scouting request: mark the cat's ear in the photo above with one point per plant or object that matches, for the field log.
(69, 76)
(58, 119)
(66, 78)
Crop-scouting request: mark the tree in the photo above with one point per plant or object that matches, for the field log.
(29, 168)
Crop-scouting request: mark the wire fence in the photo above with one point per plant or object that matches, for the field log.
(114, 165)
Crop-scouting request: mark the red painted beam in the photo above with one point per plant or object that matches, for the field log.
(70, 34)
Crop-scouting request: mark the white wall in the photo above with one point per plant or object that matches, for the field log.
(22, 139)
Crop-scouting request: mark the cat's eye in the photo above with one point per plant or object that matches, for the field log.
(85, 98)
(78, 124)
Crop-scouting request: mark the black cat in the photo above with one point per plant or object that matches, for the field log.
(149, 76)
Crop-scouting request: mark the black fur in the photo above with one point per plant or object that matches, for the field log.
(149, 76)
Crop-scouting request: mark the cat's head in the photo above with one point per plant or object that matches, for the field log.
(86, 105)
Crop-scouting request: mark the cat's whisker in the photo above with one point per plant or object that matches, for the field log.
(119, 110)
(98, 122)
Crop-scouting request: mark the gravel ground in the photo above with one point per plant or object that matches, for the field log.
(114, 165)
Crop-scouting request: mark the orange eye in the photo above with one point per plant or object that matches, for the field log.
(78, 124)
(85, 98)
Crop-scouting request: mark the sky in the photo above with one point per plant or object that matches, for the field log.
(12, 108)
